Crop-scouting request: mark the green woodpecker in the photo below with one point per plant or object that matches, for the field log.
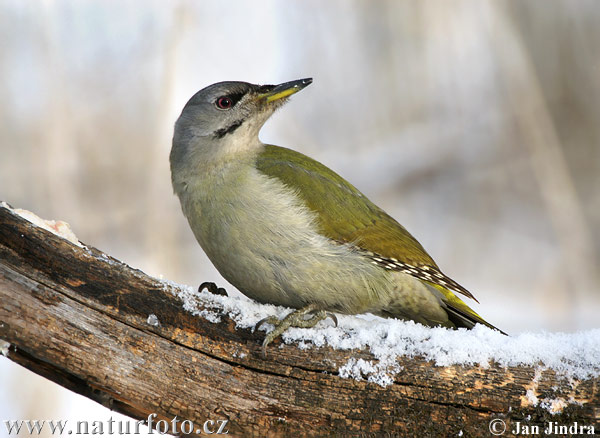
(287, 230)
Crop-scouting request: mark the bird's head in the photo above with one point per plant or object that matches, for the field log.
(227, 116)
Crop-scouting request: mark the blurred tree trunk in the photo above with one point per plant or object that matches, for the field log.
(83, 320)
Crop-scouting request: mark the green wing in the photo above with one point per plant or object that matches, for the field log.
(345, 214)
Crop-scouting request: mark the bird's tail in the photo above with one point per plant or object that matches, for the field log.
(459, 313)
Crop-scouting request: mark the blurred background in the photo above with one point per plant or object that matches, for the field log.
(474, 123)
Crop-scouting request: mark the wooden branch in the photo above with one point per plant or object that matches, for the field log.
(80, 318)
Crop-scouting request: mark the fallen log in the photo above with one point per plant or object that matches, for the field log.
(122, 338)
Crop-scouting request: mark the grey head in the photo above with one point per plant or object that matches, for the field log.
(226, 116)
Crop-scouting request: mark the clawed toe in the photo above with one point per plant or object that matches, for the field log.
(212, 288)
(294, 319)
(268, 320)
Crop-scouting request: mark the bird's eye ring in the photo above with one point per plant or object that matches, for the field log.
(224, 102)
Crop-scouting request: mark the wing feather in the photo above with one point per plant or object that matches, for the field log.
(346, 215)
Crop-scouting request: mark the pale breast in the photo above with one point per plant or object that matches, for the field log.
(263, 240)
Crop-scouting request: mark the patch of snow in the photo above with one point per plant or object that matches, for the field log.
(380, 372)
(531, 397)
(4, 346)
(570, 355)
(153, 320)
(554, 406)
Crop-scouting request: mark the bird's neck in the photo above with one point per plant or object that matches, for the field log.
(202, 158)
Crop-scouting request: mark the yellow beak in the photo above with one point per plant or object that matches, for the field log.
(284, 90)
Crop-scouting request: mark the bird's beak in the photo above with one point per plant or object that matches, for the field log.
(284, 90)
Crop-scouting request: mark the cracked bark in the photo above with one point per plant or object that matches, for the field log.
(80, 319)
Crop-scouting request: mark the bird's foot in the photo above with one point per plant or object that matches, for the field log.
(212, 288)
(294, 319)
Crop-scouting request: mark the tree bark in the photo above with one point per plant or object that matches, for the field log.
(80, 318)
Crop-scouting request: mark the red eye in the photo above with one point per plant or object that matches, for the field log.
(224, 102)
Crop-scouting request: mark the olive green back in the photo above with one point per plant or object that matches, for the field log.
(344, 214)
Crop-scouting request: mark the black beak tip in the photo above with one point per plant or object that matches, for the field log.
(299, 84)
